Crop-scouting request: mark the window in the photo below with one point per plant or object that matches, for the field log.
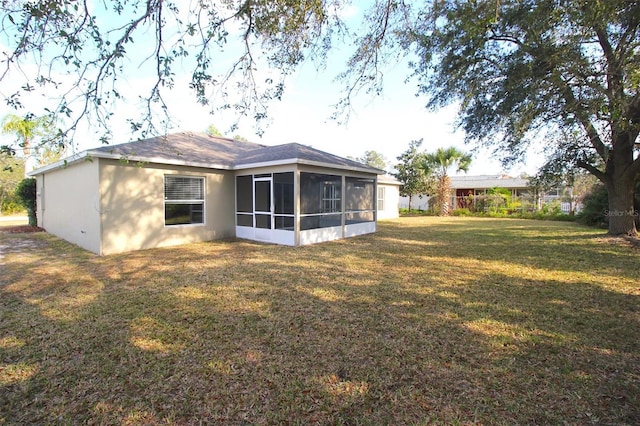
(320, 194)
(330, 198)
(320, 201)
(359, 200)
(183, 200)
(283, 198)
(244, 200)
(380, 198)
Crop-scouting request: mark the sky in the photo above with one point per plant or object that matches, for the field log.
(386, 123)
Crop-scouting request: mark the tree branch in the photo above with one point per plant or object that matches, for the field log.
(593, 170)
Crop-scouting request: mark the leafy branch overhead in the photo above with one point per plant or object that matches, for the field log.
(91, 49)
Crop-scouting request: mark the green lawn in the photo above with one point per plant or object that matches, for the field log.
(429, 321)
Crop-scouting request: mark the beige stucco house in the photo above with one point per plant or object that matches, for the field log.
(189, 187)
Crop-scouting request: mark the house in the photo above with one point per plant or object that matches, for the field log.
(388, 197)
(467, 190)
(189, 187)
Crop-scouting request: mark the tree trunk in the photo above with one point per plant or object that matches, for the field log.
(33, 219)
(444, 195)
(410, 203)
(621, 212)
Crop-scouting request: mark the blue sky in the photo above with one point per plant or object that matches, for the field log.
(386, 123)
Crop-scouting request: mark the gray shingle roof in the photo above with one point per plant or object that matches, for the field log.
(295, 152)
(487, 181)
(201, 150)
(192, 148)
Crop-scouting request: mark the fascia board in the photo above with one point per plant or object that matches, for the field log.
(303, 162)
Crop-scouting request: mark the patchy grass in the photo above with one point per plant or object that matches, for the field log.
(430, 321)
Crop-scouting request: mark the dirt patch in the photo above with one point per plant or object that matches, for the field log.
(16, 244)
(624, 240)
(22, 229)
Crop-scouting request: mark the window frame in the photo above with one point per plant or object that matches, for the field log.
(381, 197)
(193, 201)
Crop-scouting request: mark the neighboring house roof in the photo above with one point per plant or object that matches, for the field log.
(388, 180)
(201, 150)
(487, 181)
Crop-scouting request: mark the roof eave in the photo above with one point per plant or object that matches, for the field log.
(290, 161)
(59, 164)
(157, 160)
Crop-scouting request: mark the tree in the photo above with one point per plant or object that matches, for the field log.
(26, 191)
(240, 138)
(50, 154)
(438, 164)
(213, 131)
(373, 158)
(78, 53)
(411, 176)
(25, 129)
(11, 173)
(564, 71)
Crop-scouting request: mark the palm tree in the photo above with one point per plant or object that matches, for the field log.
(438, 164)
(25, 129)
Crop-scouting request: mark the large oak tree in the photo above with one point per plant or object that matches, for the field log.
(562, 71)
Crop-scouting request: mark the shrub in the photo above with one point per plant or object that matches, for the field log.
(11, 207)
(462, 212)
(26, 191)
(595, 204)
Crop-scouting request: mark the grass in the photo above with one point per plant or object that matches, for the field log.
(429, 321)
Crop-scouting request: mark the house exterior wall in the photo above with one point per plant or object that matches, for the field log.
(132, 206)
(68, 204)
(391, 202)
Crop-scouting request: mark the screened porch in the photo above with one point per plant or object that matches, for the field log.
(301, 207)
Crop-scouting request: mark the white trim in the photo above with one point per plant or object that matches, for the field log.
(359, 229)
(194, 201)
(292, 161)
(61, 163)
(320, 235)
(275, 236)
(175, 162)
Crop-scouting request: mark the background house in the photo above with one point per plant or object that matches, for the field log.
(388, 197)
(468, 191)
(189, 187)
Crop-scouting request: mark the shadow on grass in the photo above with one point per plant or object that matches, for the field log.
(549, 245)
(361, 331)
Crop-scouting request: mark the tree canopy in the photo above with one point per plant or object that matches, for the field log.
(82, 54)
(411, 174)
(564, 72)
(26, 129)
(374, 159)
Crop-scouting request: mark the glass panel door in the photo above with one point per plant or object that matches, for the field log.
(262, 203)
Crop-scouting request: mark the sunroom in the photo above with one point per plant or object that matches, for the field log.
(302, 205)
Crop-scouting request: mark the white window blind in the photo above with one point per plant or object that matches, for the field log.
(178, 188)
